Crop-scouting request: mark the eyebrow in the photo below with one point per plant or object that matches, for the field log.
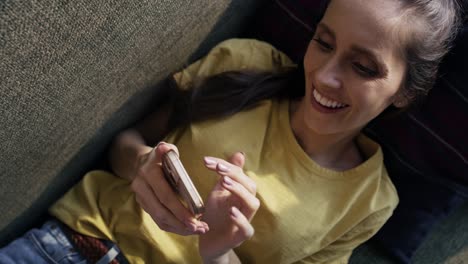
(359, 49)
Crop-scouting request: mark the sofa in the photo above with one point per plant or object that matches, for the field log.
(75, 73)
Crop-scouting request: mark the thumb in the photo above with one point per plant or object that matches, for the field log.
(161, 149)
(238, 159)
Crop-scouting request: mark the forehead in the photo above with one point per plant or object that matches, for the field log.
(368, 23)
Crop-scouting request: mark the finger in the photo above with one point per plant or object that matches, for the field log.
(187, 232)
(245, 229)
(154, 189)
(153, 158)
(169, 198)
(161, 216)
(162, 148)
(238, 159)
(250, 203)
(163, 190)
(225, 168)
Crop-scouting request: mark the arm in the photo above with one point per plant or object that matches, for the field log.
(131, 147)
(132, 158)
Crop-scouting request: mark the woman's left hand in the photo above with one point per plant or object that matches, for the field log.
(229, 209)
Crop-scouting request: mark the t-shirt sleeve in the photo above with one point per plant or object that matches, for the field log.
(234, 55)
(339, 251)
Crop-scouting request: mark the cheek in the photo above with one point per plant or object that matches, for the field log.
(308, 59)
(315, 60)
(312, 58)
(375, 97)
(392, 86)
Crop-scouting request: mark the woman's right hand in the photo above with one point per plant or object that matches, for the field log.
(158, 199)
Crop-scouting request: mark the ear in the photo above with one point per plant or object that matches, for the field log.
(400, 104)
(400, 100)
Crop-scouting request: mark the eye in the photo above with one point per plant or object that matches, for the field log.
(364, 71)
(323, 45)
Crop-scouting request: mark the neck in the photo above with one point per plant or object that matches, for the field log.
(335, 151)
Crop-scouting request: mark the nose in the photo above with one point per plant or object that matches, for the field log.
(329, 73)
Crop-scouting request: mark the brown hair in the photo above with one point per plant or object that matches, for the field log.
(231, 92)
(434, 24)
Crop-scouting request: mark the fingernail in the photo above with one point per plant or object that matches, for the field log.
(209, 161)
(227, 180)
(242, 152)
(222, 167)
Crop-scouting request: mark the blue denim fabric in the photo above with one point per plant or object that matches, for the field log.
(45, 245)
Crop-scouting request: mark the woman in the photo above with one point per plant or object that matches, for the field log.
(285, 173)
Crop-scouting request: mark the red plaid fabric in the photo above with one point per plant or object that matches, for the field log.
(91, 248)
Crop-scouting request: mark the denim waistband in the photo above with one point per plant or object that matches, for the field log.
(44, 245)
(94, 250)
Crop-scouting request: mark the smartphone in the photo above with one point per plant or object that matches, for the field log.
(180, 181)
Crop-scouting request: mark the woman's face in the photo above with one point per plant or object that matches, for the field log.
(353, 67)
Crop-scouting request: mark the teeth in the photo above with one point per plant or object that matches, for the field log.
(326, 102)
(317, 96)
(323, 101)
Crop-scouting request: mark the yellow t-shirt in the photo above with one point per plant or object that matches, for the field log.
(308, 214)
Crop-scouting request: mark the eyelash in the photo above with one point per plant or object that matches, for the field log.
(323, 44)
(361, 70)
(364, 70)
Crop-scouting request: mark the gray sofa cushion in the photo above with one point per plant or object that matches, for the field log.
(73, 73)
(441, 245)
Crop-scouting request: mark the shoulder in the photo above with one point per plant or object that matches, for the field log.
(252, 52)
(235, 55)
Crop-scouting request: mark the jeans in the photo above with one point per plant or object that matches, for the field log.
(45, 245)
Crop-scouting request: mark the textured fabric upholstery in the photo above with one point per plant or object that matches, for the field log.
(75, 72)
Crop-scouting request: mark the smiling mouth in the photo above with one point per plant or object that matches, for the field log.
(326, 102)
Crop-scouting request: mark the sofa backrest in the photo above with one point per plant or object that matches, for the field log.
(73, 73)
